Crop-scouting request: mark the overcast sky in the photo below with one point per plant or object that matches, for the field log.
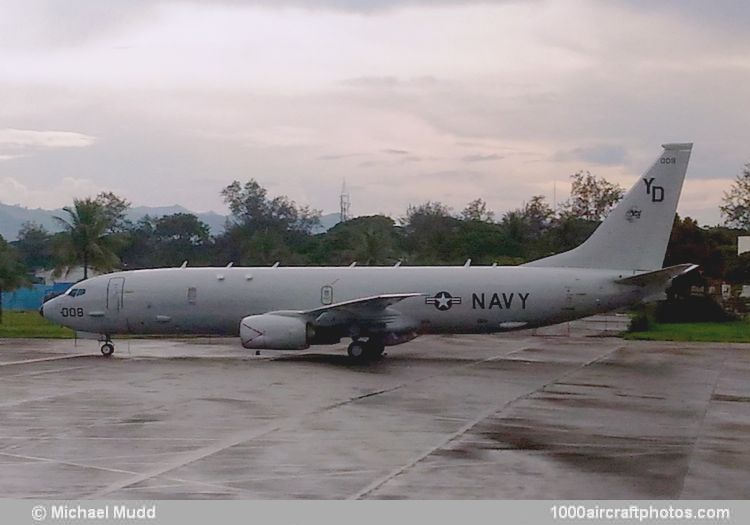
(166, 102)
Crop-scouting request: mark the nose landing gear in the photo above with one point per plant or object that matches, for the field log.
(107, 348)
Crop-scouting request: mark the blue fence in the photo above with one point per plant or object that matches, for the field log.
(31, 298)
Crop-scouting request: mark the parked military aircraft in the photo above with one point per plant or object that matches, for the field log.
(293, 308)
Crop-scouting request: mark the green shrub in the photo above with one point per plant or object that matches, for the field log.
(640, 321)
(691, 310)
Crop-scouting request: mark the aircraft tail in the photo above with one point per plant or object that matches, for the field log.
(634, 235)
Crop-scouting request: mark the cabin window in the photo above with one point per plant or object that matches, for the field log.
(75, 292)
(192, 295)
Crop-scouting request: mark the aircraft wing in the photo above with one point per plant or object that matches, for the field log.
(365, 305)
(372, 310)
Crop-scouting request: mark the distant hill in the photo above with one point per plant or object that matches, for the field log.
(12, 218)
(327, 221)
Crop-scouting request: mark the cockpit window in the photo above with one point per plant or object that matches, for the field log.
(75, 292)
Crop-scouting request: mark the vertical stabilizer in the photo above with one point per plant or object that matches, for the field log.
(634, 235)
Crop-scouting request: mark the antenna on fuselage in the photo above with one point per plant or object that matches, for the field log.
(276, 264)
(184, 264)
(467, 263)
(230, 264)
(353, 264)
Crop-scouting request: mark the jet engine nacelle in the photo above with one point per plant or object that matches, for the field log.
(274, 332)
(393, 339)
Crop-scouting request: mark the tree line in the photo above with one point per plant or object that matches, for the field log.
(262, 230)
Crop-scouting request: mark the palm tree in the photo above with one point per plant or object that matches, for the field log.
(12, 272)
(86, 238)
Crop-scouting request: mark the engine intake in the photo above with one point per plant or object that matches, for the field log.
(274, 332)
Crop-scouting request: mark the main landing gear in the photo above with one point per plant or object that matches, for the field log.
(107, 347)
(366, 350)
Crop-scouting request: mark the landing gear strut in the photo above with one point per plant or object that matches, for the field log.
(375, 348)
(107, 347)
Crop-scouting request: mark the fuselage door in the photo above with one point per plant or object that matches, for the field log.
(326, 295)
(575, 297)
(115, 289)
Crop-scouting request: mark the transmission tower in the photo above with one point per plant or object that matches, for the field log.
(344, 203)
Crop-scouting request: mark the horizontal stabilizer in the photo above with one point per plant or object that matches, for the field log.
(659, 276)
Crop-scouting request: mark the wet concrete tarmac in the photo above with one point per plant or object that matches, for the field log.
(512, 416)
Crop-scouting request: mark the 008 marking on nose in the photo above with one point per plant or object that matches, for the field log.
(72, 312)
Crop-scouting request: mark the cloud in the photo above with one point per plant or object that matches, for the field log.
(9, 157)
(700, 197)
(27, 138)
(340, 156)
(478, 157)
(49, 197)
(604, 154)
(359, 6)
(392, 151)
(390, 82)
(453, 175)
(178, 98)
(49, 23)
(280, 136)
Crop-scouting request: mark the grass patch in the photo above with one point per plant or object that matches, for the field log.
(727, 332)
(32, 325)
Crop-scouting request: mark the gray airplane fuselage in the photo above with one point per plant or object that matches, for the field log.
(455, 299)
(293, 308)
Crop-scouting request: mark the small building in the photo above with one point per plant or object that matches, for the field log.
(47, 284)
(31, 298)
(74, 275)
